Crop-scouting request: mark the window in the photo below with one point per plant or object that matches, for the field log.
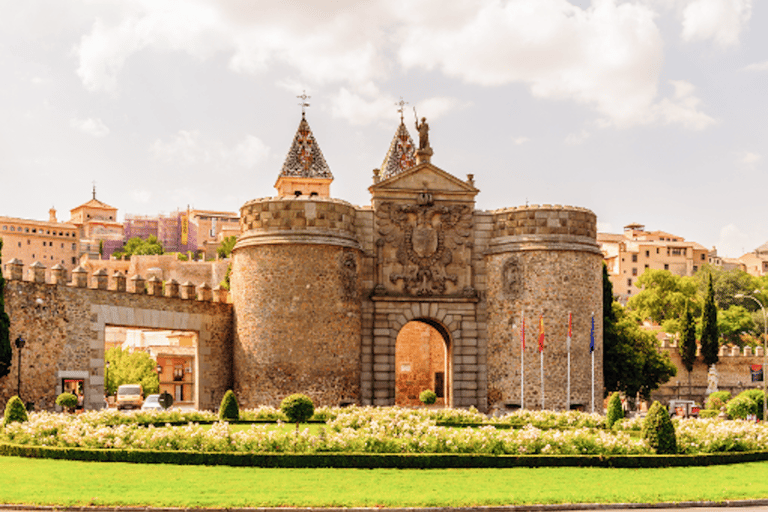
(634, 271)
(13, 228)
(647, 254)
(44, 242)
(695, 268)
(646, 266)
(702, 257)
(5, 228)
(26, 230)
(629, 282)
(73, 247)
(657, 250)
(19, 244)
(666, 266)
(634, 258)
(28, 242)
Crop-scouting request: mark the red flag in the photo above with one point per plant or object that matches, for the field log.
(522, 334)
(541, 333)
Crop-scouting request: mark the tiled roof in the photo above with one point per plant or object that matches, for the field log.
(401, 154)
(305, 159)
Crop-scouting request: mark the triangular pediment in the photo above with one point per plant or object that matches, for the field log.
(424, 177)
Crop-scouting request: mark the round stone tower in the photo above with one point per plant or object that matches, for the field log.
(296, 289)
(544, 266)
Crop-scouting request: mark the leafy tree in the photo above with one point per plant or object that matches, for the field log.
(137, 245)
(135, 367)
(688, 343)
(227, 281)
(615, 411)
(727, 284)
(67, 400)
(229, 410)
(659, 430)
(225, 249)
(297, 408)
(717, 399)
(663, 297)
(15, 411)
(733, 322)
(6, 353)
(710, 344)
(632, 362)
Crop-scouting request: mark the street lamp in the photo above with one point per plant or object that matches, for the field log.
(20, 342)
(765, 348)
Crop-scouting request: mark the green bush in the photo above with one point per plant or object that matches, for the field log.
(659, 431)
(67, 400)
(756, 395)
(708, 413)
(717, 399)
(297, 408)
(740, 407)
(615, 411)
(428, 397)
(15, 411)
(229, 410)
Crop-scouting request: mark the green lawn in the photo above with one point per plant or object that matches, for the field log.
(52, 482)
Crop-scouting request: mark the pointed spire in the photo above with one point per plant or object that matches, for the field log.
(401, 155)
(305, 159)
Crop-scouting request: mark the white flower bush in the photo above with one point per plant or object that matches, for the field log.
(378, 430)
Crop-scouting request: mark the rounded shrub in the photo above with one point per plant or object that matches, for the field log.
(297, 408)
(615, 411)
(67, 400)
(659, 431)
(756, 395)
(15, 411)
(717, 399)
(428, 397)
(740, 407)
(229, 410)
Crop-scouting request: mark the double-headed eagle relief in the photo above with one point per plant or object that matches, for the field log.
(425, 236)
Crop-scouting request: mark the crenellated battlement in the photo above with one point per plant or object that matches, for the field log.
(117, 282)
(725, 351)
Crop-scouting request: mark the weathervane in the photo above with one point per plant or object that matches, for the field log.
(303, 103)
(402, 105)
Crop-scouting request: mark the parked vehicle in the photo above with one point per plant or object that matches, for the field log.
(684, 408)
(152, 403)
(129, 396)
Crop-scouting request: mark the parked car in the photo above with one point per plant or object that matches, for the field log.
(152, 403)
(129, 396)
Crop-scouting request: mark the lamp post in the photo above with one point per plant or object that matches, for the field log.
(765, 348)
(20, 342)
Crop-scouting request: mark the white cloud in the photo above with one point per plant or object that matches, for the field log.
(757, 66)
(518, 141)
(683, 108)
(575, 139)
(90, 126)
(748, 158)
(189, 148)
(719, 20)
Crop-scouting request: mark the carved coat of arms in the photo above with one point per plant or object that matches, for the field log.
(426, 236)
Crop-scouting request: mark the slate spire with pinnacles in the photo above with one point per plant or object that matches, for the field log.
(401, 155)
(305, 159)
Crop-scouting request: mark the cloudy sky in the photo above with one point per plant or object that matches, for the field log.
(650, 111)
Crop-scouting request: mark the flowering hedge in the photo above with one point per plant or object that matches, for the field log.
(377, 431)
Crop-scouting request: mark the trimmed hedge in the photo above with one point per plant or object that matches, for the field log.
(374, 461)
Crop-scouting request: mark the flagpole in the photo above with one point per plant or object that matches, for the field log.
(522, 361)
(568, 348)
(542, 380)
(592, 350)
(541, 352)
(593, 381)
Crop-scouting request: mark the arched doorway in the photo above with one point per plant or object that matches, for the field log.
(422, 361)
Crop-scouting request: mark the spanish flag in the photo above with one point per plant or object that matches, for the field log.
(541, 333)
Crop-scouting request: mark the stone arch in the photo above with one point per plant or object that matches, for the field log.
(423, 360)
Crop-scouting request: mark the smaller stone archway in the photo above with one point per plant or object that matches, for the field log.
(423, 360)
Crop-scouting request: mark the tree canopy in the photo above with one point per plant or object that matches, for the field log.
(710, 336)
(225, 249)
(126, 367)
(663, 297)
(688, 341)
(632, 362)
(137, 245)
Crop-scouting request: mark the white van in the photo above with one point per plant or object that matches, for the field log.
(129, 396)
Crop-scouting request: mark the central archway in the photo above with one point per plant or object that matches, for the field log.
(422, 361)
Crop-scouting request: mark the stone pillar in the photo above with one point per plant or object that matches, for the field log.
(100, 279)
(187, 291)
(15, 269)
(172, 289)
(137, 284)
(204, 293)
(79, 277)
(37, 272)
(219, 294)
(154, 286)
(58, 274)
(117, 282)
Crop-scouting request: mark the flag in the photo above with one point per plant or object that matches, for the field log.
(592, 335)
(522, 334)
(541, 333)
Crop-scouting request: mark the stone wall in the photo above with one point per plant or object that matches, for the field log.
(543, 260)
(64, 329)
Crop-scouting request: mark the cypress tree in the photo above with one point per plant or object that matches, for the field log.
(710, 343)
(688, 343)
(6, 354)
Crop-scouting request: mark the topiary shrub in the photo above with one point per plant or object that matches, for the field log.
(615, 411)
(297, 408)
(67, 400)
(717, 399)
(15, 411)
(745, 404)
(229, 410)
(428, 397)
(659, 431)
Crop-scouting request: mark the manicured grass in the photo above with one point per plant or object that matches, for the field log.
(55, 482)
